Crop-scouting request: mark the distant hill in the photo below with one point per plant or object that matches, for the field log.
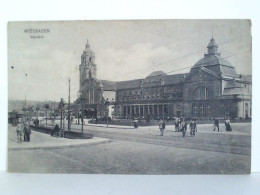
(18, 105)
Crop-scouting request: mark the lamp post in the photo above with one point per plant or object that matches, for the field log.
(46, 106)
(69, 121)
(80, 101)
(61, 106)
(37, 111)
(107, 103)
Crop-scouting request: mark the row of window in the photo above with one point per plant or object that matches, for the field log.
(138, 97)
(201, 109)
(168, 96)
(200, 93)
(141, 92)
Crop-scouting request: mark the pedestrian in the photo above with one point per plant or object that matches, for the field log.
(183, 127)
(193, 127)
(176, 124)
(27, 132)
(228, 126)
(161, 126)
(55, 129)
(216, 124)
(19, 132)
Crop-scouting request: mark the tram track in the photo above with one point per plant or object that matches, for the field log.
(179, 142)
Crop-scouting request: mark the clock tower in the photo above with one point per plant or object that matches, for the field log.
(87, 68)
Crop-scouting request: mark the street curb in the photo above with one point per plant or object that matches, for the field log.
(117, 127)
(63, 146)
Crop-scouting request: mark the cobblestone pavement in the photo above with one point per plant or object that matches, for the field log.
(142, 151)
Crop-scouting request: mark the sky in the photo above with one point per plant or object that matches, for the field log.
(124, 50)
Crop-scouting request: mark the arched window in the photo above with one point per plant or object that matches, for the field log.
(200, 93)
(195, 109)
(201, 109)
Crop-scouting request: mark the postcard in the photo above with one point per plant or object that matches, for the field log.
(144, 97)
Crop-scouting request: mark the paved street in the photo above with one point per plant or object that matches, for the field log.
(125, 150)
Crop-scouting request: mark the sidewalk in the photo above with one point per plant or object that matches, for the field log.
(42, 141)
(237, 128)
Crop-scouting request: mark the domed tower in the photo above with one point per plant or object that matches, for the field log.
(214, 62)
(213, 47)
(214, 89)
(87, 67)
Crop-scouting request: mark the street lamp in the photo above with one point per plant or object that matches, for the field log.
(46, 106)
(107, 103)
(61, 107)
(81, 100)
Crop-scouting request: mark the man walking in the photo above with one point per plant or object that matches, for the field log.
(19, 131)
(216, 124)
(27, 132)
(161, 126)
(193, 127)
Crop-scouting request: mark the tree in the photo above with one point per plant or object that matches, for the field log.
(46, 106)
(37, 108)
(31, 110)
(107, 103)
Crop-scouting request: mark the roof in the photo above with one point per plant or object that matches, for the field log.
(246, 78)
(156, 73)
(232, 84)
(235, 91)
(109, 85)
(215, 63)
(174, 79)
(209, 60)
(157, 78)
(129, 84)
(232, 87)
(212, 43)
(218, 65)
(228, 71)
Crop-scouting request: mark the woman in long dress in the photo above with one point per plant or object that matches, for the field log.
(228, 126)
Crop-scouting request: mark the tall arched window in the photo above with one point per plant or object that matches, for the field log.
(195, 110)
(201, 109)
(200, 93)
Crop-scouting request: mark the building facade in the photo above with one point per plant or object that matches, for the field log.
(211, 89)
(92, 92)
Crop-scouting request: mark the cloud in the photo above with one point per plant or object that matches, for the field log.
(130, 63)
(124, 51)
(47, 77)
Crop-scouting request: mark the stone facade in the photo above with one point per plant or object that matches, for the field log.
(211, 89)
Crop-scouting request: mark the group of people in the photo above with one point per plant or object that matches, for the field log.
(181, 125)
(23, 132)
(227, 124)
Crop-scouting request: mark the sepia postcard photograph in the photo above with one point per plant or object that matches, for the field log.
(135, 97)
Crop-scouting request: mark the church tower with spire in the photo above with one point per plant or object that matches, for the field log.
(87, 68)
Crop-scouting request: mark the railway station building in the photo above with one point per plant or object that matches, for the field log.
(211, 89)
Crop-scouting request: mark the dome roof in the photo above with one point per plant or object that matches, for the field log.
(216, 64)
(156, 73)
(212, 60)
